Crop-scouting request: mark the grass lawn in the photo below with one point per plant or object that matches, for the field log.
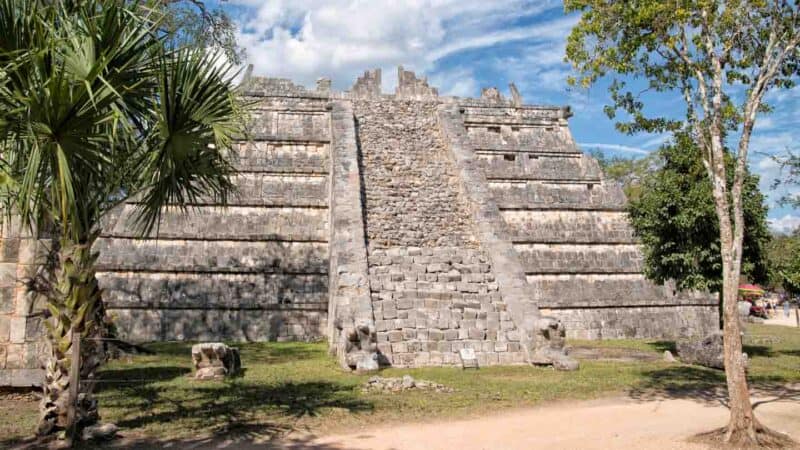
(289, 386)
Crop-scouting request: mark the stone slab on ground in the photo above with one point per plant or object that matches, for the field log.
(704, 352)
(215, 360)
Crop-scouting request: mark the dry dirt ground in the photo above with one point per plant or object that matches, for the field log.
(600, 424)
(781, 319)
(619, 423)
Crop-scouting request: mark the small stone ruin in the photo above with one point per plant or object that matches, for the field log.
(707, 351)
(406, 383)
(215, 361)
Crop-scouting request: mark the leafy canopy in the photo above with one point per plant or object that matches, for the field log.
(674, 216)
(94, 110)
(679, 46)
(784, 257)
(193, 23)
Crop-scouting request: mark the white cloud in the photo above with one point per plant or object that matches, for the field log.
(306, 39)
(785, 224)
(458, 81)
(614, 148)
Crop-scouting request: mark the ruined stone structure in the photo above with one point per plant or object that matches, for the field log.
(401, 227)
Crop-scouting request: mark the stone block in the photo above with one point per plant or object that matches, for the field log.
(385, 348)
(15, 356)
(475, 333)
(399, 347)
(435, 335)
(389, 313)
(395, 336)
(17, 330)
(215, 360)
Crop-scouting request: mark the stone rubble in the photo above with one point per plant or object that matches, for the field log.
(215, 361)
(407, 382)
(707, 351)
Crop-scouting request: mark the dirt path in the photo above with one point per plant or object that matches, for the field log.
(601, 424)
(618, 423)
(780, 319)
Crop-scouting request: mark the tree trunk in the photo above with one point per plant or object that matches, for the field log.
(76, 307)
(742, 425)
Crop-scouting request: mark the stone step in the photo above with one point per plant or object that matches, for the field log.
(551, 139)
(243, 325)
(549, 196)
(290, 157)
(559, 226)
(304, 126)
(529, 166)
(228, 223)
(609, 291)
(220, 290)
(580, 258)
(176, 255)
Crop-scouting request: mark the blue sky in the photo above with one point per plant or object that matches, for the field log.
(464, 45)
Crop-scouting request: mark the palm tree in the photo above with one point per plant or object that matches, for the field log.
(96, 111)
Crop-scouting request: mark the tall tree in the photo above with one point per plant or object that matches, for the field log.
(675, 217)
(94, 111)
(784, 261)
(721, 57)
(790, 176)
(193, 23)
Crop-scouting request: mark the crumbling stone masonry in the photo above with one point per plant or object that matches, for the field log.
(401, 227)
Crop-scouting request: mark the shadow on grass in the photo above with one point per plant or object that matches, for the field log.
(757, 350)
(707, 386)
(114, 378)
(239, 442)
(234, 410)
(661, 346)
(274, 353)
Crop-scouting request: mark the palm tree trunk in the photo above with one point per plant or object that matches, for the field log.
(76, 307)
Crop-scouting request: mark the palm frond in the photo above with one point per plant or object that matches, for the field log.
(195, 120)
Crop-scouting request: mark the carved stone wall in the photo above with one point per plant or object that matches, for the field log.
(430, 303)
(410, 182)
(21, 318)
(403, 227)
(570, 229)
(254, 270)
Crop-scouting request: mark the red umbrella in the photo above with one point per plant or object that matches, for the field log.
(751, 289)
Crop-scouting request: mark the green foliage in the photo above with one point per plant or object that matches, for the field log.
(192, 23)
(790, 168)
(784, 258)
(675, 217)
(674, 46)
(96, 110)
(290, 386)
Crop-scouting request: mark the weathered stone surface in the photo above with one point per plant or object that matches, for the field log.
(99, 432)
(549, 345)
(215, 360)
(632, 318)
(707, 351)
(406, 383)
(403, 227)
